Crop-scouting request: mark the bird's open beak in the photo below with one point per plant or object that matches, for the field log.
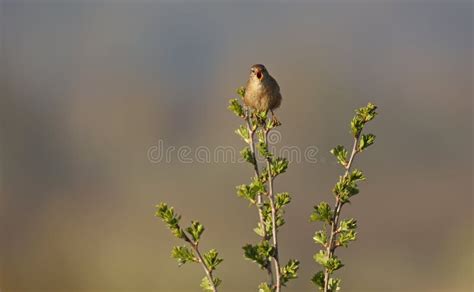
(259, 75)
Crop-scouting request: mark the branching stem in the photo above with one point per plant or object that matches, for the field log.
(251, 131)
(255, 165)
(206, 269)
(332, 245)
(271, 197)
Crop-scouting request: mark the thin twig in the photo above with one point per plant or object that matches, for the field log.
(331, 247)
(206, 269)
(271, 197)
(255, 165)
(259, 196)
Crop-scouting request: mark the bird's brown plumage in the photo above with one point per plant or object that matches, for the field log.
(262, 92)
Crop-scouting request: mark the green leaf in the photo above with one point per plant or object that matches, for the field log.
(258, 186)
(279, 165)
(260, 230)
(241, 91)
(263, 287)
(196, 229)
(346, 187)
(259, 253)
(264, 175)
(261, 116)
(236, 108)
(280, 221)
(212, 260)
(334, 264)
(365, 141)
(281, 200)
(318, 280)
(263, 149)
(367, 113)
(161, 210)
(247, 155)
(334, 284)
(345, 237)
(321, 237)
(243, 132)
(363, 116)
(176, 231)
(330, 263)
(171, 219)
(341, 154)
(183, 255)
(321, 257)
(356, 126)
(250, 192)
(348, 224)
(267, 218)
(289, 271)
(206, 284)
(356, 175)
(167, 214)
(322, 212)
(243, 191)
(347, 232)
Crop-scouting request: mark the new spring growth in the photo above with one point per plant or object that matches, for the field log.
(191, 252)
(337, 232)
(270, 206)
(261, 194)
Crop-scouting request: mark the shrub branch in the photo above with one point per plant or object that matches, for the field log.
(191, 235)
(260, 192)
(271, 198)
(251, 130)
(331, 247)
(337, 232)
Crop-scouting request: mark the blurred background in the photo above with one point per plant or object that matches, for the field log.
(87, 87)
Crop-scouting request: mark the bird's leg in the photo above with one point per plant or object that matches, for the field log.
(274, 119)
(250, 114)
(259, 117)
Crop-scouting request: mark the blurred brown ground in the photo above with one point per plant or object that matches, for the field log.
(88, 86)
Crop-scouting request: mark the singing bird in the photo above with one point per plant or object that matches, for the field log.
(262, 92)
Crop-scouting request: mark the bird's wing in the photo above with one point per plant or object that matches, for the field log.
(274, 85)
(246, 95)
